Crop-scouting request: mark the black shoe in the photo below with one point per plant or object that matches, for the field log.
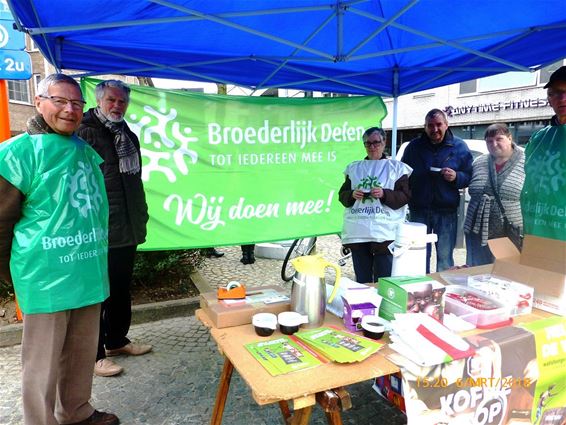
(100, 418)
(247, 258)
(212, 252)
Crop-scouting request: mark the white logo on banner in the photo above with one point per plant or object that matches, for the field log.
(84, 191)
(156, 136)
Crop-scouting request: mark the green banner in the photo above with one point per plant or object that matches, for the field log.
(231, 170)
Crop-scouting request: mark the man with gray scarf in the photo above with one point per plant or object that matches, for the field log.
(106, 131)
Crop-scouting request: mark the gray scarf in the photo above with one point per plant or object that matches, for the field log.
(129, 162)
(37, 125)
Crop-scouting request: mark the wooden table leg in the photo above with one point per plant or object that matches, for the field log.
(333, 402)
(301, 416)
(334, 418)
(285, 411)
(222, 393)
(345, 399)
(328, 400)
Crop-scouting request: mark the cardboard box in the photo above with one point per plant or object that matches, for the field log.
(412, 294)
(387, 310)
(541, 264)
(259, 299)
(390, 387)
(359, 302)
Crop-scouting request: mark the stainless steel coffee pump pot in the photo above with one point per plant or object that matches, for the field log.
(308, 293)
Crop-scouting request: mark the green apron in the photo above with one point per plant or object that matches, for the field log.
(59, 251)
(543, 199)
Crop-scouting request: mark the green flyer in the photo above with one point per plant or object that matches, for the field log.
(282, 355)
(339, 346)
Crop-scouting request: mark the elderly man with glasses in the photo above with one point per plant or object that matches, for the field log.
(53, 244)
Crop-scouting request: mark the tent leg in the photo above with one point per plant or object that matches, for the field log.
(394, 128)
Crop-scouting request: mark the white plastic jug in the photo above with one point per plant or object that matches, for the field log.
(409, 249)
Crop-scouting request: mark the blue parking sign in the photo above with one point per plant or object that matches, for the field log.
(14, 65)
(5, 10)
(10, 39)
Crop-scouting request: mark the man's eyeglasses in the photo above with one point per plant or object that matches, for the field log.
(556, 93)
(368, 144)
(62, 102)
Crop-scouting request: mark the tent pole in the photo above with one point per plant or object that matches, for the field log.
(394, 129)
(395, 104)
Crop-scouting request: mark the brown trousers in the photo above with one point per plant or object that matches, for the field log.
(58, 354)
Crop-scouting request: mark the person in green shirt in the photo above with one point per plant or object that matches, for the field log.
(53, 248)
(544, 190)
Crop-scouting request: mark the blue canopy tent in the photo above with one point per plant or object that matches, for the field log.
(377, 47)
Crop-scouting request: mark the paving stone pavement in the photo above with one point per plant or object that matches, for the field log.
(176, 384)
(220, 271)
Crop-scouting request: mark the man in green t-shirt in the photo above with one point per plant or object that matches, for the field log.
(544, 190)
(53, 247)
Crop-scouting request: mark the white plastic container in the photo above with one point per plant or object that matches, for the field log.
(518, 296)
(476, 307)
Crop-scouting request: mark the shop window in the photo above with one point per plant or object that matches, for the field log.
(507, 80)
(468, 87)
(524, 130)
(36, 80)
(18, 91)
(32, 47)
(331, 94)
(547, 71)
(270, 93)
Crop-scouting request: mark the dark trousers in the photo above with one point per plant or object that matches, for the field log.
(444, 224)
(248, 249)
(370, 266)
(116, 312)
(476, 254)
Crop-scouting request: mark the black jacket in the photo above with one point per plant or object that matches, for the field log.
(126, 197)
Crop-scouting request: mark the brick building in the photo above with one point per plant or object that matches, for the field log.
(21, 93)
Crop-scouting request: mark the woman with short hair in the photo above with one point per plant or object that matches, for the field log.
(375, 194)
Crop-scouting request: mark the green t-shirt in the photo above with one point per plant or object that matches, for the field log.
(60, 245)
(543, 199)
